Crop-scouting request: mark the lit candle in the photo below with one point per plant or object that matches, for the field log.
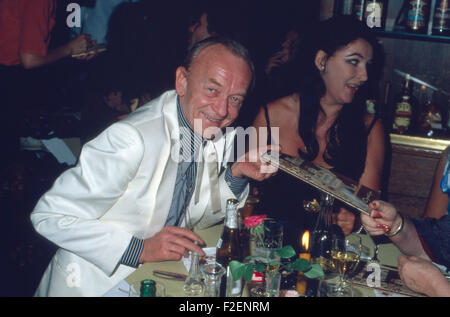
(305, 245)
(301, 279)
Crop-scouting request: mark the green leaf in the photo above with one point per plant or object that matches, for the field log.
(248, 272)
(315, 271)
(237, 269)
(286, 252)
(259, 267)
(301, 265)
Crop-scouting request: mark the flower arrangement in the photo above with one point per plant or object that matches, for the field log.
(245, 270)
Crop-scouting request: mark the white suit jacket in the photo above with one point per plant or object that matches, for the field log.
(121, 187)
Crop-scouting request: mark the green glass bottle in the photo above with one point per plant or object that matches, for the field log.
(148, 288)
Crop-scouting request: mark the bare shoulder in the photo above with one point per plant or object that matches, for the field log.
(377, 125)
(284, 108)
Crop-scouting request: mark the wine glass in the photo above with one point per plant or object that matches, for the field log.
(345, 257)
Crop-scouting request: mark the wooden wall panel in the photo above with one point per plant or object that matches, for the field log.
(410, 179)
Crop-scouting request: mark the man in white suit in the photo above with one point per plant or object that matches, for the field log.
(128, 200)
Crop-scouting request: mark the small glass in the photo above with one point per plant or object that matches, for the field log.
(273, 281)
(193, 285)
(212, 273)
(272, 238)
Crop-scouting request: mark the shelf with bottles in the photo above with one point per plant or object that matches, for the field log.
(425, 114)
(424, 20)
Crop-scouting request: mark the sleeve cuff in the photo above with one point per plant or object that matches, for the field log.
(236, 184)
(133, 252)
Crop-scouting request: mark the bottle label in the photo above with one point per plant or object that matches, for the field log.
(257, 278)
(442, 16)
(417, 14)
(219, 243)
(402, 116)
(232, 221)
(401, 123)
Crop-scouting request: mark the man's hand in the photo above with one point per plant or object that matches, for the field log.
(422, 276)
(170, 244)
(252, 167)
(81, 44)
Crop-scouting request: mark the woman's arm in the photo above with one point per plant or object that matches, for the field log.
(371, 176)
(373, 169)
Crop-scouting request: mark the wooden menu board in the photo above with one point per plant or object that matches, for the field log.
(390, 283)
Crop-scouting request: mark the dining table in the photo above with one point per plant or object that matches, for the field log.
(387, 260)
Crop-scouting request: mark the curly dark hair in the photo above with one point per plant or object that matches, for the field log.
(346, 149)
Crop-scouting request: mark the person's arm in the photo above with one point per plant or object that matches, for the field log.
(437, 203)
(373, 168)
(423, 277)
(77, 45)
(385, 219)
(69, 213)
(371, 176)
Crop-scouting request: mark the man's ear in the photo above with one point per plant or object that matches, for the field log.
(321, 60)
(181, 81)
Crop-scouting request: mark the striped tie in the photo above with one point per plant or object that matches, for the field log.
(209, 157)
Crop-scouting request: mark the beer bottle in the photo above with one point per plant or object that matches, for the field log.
(148, 288)
(418, 14)
(403, 109)
(441, 18)
(229, 249)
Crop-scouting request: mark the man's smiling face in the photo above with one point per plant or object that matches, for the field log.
(213, 89)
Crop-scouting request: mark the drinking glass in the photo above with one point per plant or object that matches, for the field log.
(345, 257)
(272, 239)
(212, 273)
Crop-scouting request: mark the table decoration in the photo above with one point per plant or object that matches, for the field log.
(272, 264)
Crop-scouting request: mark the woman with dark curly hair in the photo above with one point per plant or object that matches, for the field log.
(325, 121)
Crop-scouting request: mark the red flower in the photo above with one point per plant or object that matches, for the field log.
(254, 221)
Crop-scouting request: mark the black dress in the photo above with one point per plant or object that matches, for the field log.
(283, 196)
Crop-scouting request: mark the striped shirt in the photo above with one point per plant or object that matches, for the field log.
(190, 143)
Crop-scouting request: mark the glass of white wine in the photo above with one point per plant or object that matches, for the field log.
(345, 257)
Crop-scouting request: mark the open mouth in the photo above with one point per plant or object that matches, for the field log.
(353, 88)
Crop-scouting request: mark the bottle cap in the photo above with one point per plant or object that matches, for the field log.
(232, 202)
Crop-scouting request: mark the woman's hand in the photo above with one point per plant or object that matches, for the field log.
(383, 217)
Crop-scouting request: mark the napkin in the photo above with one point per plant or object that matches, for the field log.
(208, 252)
(120, 290)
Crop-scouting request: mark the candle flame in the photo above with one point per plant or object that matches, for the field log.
(305, 240)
